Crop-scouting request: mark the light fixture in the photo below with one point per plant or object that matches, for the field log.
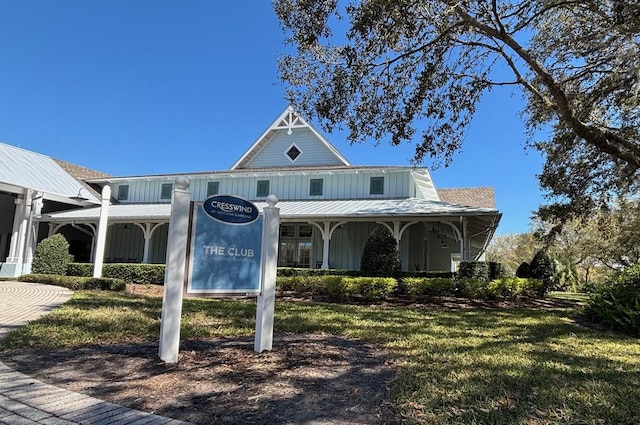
(79, 196)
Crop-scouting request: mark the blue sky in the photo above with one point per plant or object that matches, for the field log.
(154, 86)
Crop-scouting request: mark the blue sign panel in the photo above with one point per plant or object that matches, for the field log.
(225, 257)
(230, 209)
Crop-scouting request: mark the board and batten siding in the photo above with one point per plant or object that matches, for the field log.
(314, 153)
(352, 185)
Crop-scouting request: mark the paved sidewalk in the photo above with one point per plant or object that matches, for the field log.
(27, 401)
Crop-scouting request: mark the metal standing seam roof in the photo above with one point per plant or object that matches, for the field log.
(23, 168)
(291, 210)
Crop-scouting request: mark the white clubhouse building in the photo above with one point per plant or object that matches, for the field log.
(328, 207)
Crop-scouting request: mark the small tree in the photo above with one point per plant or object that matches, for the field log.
(52, 256)
(523, 270)
(380, 254)
(541, 268)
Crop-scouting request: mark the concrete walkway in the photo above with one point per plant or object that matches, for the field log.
(27, 401)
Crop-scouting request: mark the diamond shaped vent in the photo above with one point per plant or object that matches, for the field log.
(293, 153)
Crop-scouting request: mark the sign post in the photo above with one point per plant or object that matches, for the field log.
(174, 272)
(267, 298)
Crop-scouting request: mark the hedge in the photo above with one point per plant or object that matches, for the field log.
(132, 273)
(76, 283)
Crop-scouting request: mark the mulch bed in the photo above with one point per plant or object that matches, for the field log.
(310, 379)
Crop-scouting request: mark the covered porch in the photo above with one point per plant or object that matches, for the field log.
(431, 235)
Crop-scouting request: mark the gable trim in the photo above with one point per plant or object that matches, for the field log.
(288, 120)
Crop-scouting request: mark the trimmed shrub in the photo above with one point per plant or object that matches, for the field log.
(290, 271)
(368, 288)
(473, 288)
(514, 288)
(76, 283)
(51, 256)
(132, 273)
(616, 302)
(422, 287)
(483, 270)
(523, 270)
(541, 268)
(380, 254)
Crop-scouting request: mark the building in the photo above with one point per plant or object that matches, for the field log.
(328, 207)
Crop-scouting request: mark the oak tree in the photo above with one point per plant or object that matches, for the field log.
(414, 71)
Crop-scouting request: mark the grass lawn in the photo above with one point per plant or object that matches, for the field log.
(473, 366)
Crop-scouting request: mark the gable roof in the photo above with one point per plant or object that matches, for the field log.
(82, 174)
(20, 168)
(481, 197)
(287, 121)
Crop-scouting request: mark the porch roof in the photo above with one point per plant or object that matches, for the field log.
(379, 209)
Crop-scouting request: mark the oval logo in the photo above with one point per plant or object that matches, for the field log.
(230, 209)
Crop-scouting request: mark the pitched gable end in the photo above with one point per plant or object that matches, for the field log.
(290, 142)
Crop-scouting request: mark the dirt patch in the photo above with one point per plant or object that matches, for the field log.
(310, 379)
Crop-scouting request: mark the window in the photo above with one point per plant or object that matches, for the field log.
(166, 191)
(293, 152)
(295, 245)
(262, 189)
(213, 188)
(123, 192)
(376, 186)
(315, 187)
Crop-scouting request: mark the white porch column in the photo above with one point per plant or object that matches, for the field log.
(147, 230)
(326, 231)
(103, 224)
(326, 239)
(31, 235)
(14, 262)
(465, 246)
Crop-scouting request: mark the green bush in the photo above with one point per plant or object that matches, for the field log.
(514, 288)
(369, 288)
(421, 287)
(541, 267)
(523, 270)
(291, 271)
(616, 302)
(302, 285)
(380, 254)
(132, 273)
(51, 256)
(75, 283)
(473, 288)
(483, 270)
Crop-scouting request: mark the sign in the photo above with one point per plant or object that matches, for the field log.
(225, 247)
(230, 209)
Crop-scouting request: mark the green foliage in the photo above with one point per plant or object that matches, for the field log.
(368, 288)
(380, 254)
(339, 288)
(292, 271)
(514, 288)
(511, 288)
(482, 270)
(473, 288)
(616, 303)
(132, 273)
(523, 270)
(51, 256)
(421, 287)
(410, 71)
(76, 283)
(541, 268)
